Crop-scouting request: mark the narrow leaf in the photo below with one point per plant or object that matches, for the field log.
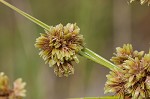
(97, 58)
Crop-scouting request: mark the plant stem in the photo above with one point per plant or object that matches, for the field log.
(85, 52)
(97, 58)
(40, 23)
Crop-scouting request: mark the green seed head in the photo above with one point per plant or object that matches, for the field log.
(134, 79)
(59, 47)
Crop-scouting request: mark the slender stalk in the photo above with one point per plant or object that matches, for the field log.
(85, 52)
(40, 23)
(97, 58)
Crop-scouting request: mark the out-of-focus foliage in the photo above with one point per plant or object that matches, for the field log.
(95, 18)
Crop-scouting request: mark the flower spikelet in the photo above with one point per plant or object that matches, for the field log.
(19, 88)
(4, 85)
(133, 80)
(124, 53)
(59, 47)
(136, 75)
(115, 83)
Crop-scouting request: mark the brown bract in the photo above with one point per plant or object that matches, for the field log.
(59, 47)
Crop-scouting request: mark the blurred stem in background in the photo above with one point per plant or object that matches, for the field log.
(85, 52)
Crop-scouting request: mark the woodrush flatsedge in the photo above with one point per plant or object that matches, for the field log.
(59, 46)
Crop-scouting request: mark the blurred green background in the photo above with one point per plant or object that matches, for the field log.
(105, 25)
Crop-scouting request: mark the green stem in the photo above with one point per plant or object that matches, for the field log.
(40, 23)
(96, 58)
(85, 52)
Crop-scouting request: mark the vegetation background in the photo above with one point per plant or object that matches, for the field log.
(105, 25)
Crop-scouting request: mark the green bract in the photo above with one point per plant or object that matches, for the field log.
(59, 47)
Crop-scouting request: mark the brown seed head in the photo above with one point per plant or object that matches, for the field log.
(134, 79)
(59, 47)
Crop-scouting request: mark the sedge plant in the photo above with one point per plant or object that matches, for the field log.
(59, 46)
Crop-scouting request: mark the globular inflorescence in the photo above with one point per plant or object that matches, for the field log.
(16, 92)
(141, 1)
(133, 80)
(59, 47)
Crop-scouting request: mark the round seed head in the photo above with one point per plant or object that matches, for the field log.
(59, 47)
(133, 81)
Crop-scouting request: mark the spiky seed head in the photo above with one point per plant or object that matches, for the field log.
(115, 83)
(134, 79)
(6, 92)
(19, 88)
(59, 47)
(122, 54)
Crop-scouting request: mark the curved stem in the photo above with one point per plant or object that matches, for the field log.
(38, 22)
(97, 58)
